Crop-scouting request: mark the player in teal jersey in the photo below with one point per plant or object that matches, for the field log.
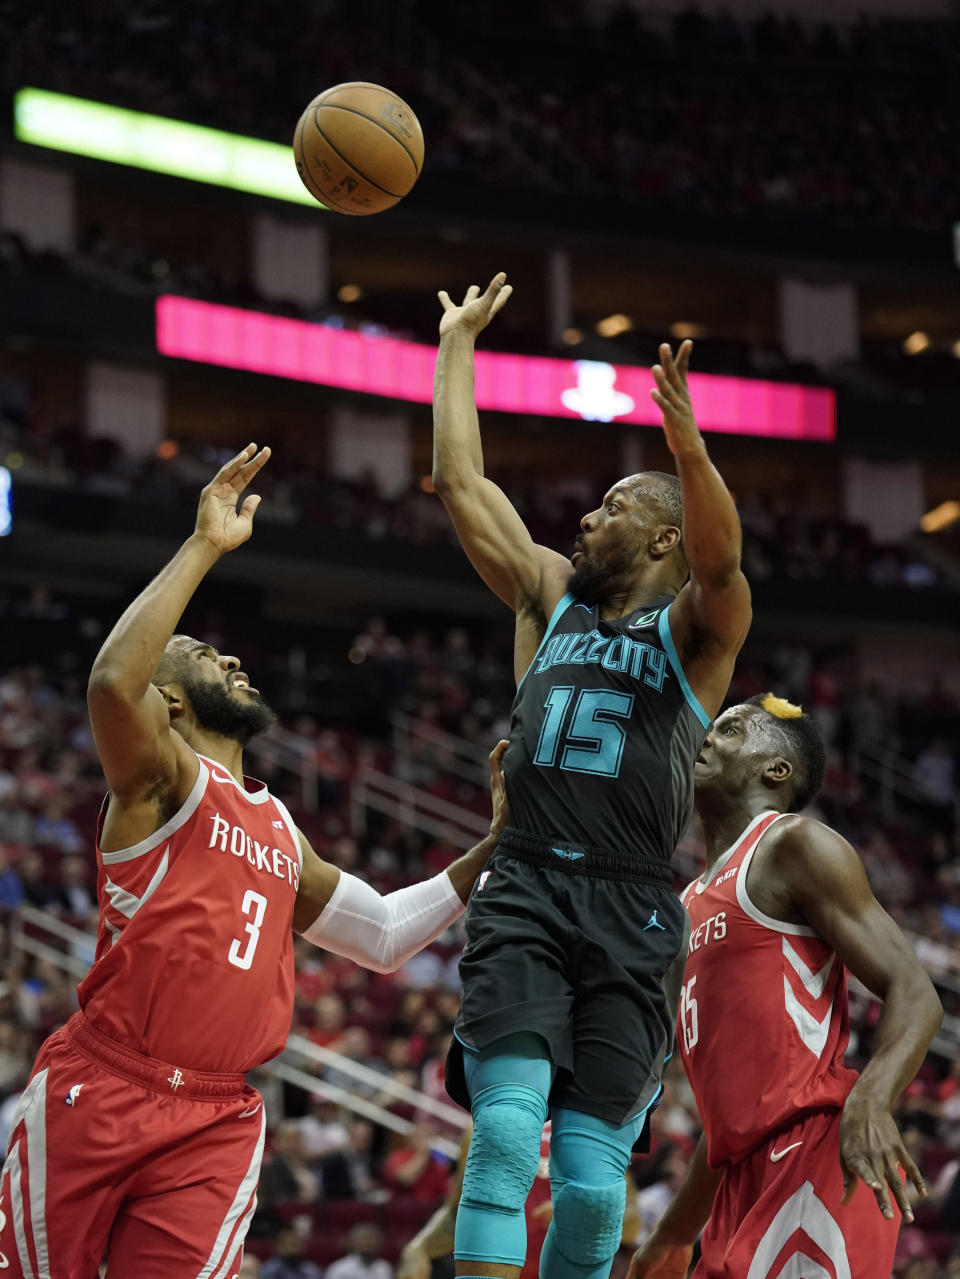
(575, 939)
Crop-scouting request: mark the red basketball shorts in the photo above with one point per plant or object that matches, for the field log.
(778, 1213)
(112, 1153)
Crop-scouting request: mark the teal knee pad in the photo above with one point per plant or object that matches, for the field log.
(588, 1220)
(504, 1156)
(588, 1158)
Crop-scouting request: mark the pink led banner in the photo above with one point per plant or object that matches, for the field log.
(586, 389)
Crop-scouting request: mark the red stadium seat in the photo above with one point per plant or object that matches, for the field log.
(289, 1209)
(262, 1249)
(406, 1211)
(336, 1216)
(323, 1248)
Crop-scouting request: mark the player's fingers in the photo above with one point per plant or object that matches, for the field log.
(877, 1185)
(249, 508)
(471, 294)
(662, 381)
(496, 769)
(899, 1191)
(445, 302)
(861, 1167)
(912, 1171)
(668, 362)
(229, 469)
(901, 1159)
(500, 300)
(249, 469)
(664, 402)
(683, 358)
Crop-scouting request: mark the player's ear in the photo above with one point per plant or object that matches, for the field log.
(778, 771)
(173, 699)
(665, 539)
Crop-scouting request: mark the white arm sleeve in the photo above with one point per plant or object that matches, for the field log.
(384, 932)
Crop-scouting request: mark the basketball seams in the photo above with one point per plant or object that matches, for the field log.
(336, 106)
(336, 150)
(308, 180)
(312, 185)
(318, 194)
(380, 152)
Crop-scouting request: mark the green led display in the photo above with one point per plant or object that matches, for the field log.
(153, 142)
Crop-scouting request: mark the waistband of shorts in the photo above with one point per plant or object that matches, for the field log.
(159, 1076)
(584, 859)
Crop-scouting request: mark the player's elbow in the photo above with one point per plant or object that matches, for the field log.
(919, 994)
(384, 959)
(107, 683)
(453, 477)
(447, 482)
(931, 1005)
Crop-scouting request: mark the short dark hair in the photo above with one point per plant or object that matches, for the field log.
(801, 743)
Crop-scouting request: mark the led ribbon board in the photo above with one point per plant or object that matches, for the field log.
(587, 389)
(157, 143)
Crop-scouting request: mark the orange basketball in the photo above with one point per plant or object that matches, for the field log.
(358, 148)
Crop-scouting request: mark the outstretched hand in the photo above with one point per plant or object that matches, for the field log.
(218, 519)
(477, 310)
(672, 398)
(498, 789)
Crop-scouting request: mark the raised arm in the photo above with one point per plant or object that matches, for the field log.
(131, 727)
(824, 881)
(341, 913)
(711, 616)
(491, 532)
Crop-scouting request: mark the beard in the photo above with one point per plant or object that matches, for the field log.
(217, 712)
(592, 580)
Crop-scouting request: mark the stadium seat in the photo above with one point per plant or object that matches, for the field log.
(335, 1216)
(323, 1248)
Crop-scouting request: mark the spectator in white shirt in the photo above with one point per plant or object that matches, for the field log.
(363, 1261)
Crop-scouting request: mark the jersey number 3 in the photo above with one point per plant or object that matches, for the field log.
(593, 741)
(254, 904)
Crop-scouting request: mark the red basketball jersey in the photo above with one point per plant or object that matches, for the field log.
(763, 1022)
(194, 961)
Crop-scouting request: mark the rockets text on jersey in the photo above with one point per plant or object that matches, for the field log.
(763, 1021)
(194, 960)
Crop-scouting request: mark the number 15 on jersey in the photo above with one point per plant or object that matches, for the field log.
(589, 739)
(689, 1020)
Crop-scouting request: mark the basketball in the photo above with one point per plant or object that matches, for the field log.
(358, 148)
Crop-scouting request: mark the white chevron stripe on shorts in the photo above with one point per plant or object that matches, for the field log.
(221, 1252)
(31, 1111)
(802, 1211)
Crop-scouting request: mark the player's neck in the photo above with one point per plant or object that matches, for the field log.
(636, 594)
(222, 750)
(724, 820)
